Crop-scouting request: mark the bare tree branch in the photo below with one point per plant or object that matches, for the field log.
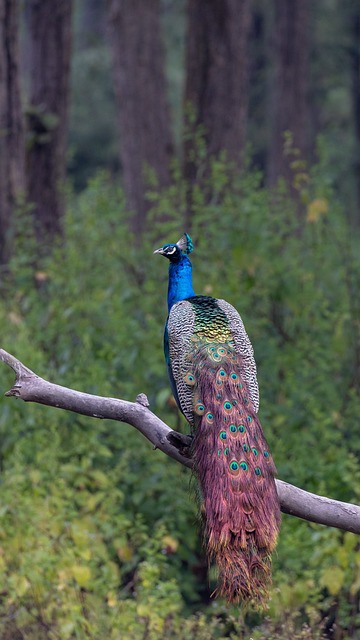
(294, 501)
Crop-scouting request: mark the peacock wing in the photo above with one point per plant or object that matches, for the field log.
(180, 329)
(244, 351)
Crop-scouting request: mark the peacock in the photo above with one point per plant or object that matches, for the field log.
(212, 373)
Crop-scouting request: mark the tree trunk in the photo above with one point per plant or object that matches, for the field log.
(143, 114)
(257, 125)
(290, 104)
(12, 159)
(49, 38)
(217, 77)
(355, 88)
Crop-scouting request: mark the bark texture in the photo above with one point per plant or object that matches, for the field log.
(216, 88)
(143, 113)
(355, 90)
(49, 50)
(290, 103)
(12, 159)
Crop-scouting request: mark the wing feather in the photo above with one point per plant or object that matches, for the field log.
(244, 349)
(180, 328)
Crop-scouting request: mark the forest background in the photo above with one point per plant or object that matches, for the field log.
(122, 125)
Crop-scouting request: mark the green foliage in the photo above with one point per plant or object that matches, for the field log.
(98, 533)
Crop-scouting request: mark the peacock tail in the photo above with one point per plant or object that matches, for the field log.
(213, 375)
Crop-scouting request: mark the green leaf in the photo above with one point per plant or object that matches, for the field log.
(82, 574)
(332, 578)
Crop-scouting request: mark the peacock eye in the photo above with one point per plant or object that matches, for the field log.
(234, 467)
(199, 409)
(171, 250)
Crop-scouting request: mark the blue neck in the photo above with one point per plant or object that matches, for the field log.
(180, 281)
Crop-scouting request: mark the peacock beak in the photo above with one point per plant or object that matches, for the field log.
(161, 251)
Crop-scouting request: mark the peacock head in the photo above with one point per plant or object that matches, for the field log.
(174, 252)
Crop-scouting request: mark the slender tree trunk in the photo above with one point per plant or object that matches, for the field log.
(290, 104)
(49, 44)
(257, 125)
(355, 85)
(143, 114)
(216, 90)
(12, 159)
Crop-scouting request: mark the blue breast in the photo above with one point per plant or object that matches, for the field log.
(180, 281)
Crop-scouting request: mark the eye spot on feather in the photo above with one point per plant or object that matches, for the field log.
(233, 375)
(189, 379)
(245, 448)
(199, 408)
(234, 467)
(221, 351)
(216, 357)
(242, 428)
(246, 401)
(266, 454)
(209, 417)
(258, 471)
(226, 451)
(227, 405)
(222, 372)
(218, 396)
(240, 385)
(233, 428)
(222, 435)
(249, 419)
(255, 451)
(243, 465)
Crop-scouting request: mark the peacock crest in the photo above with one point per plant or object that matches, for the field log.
(185, 244)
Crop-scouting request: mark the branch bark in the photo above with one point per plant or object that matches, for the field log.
(294, 501)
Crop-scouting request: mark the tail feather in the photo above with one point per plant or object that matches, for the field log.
(236, 476)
